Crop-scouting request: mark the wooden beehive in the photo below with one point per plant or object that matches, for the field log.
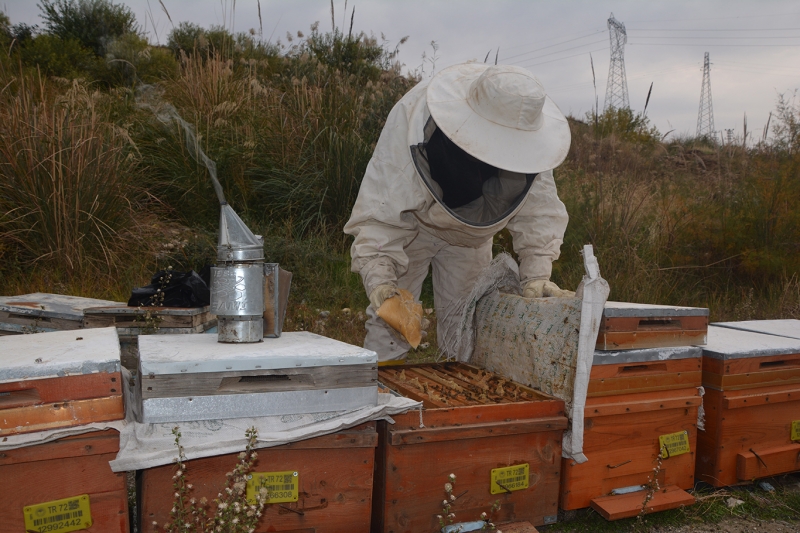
(134, 321)
(334, 473)
(66, 468)
(752, 406)
(43, 312)
(627, 326)
(635, 397)
(59, 379)
(474, 422)
(195, 377)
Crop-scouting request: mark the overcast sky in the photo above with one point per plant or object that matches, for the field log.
(754, 46)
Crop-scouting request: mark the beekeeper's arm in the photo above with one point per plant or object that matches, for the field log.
(538, 231)
(382, 221)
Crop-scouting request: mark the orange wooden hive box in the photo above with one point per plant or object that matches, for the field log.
(72, 476)
(334, 476)
(59, 379)
(636, 399)
(752, 406)
(627, 326)
(478, 426)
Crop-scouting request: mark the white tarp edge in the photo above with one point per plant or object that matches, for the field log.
(149, 445)
(593, 291)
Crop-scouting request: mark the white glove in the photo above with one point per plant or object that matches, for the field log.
(542, 288)
(381, 293)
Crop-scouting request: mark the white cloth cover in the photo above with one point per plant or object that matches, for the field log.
(149, 445)
(546, 343)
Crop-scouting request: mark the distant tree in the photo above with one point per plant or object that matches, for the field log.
(187, 37)
(93, 23)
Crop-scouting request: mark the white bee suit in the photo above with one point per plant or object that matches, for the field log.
(401, 224)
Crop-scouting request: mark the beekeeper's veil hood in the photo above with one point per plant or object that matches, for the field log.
(500, 115)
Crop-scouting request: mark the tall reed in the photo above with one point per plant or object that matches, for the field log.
(66, 175)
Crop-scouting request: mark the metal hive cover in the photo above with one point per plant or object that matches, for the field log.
(51, 305)
(727, 343)
(782, 328)
(627, 309)
(645, 355)
(59, 354)
(175, 354)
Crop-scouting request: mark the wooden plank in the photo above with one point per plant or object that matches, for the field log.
(670, 366)
(761, 396)
(733, 382)
(252, 381)
(335, 488)
(633, 324)
(748, 365)
(470, 414)
(85, 444)
(763, 462)
(630, 505)
(361, 436)
(58, 415)
(415, 476)
(618, 340)
(475, 431)
(61, 389)
(638, 406)
(34, 322)
(645, 383)
(61, 469)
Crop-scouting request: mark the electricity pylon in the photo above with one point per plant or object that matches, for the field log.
(617, 87)
(705, 114)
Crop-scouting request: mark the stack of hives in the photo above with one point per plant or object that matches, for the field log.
(641, 412)
(61, 381)
(320, 484)
(501, 440)
(751, 374)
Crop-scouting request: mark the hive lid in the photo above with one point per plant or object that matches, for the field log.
(645, 355)
(782, 328)
(51, 305)
(727, 343)
(188, 354)
(627, 309)
(58, 354)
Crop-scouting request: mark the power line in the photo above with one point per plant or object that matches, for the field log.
(556, 44)
(705, 44)
(556, 52)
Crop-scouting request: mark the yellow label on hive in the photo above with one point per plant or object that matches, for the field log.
(281, 486)
(59, 516)
(510, 478)
(673, 444)
(795, 429)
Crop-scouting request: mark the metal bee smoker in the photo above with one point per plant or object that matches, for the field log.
(237, 282)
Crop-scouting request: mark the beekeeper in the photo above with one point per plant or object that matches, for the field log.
(462, 156)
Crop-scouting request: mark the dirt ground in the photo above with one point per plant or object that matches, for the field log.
(734, 525)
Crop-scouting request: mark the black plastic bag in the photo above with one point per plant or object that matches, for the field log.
(169, 288)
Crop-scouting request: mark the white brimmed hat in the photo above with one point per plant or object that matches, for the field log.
(501, 115)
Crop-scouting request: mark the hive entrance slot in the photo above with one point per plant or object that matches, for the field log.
(264, 382)
(660, 323)
(29, 317)
(642, 369)
(779, 364)
(19, 398)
